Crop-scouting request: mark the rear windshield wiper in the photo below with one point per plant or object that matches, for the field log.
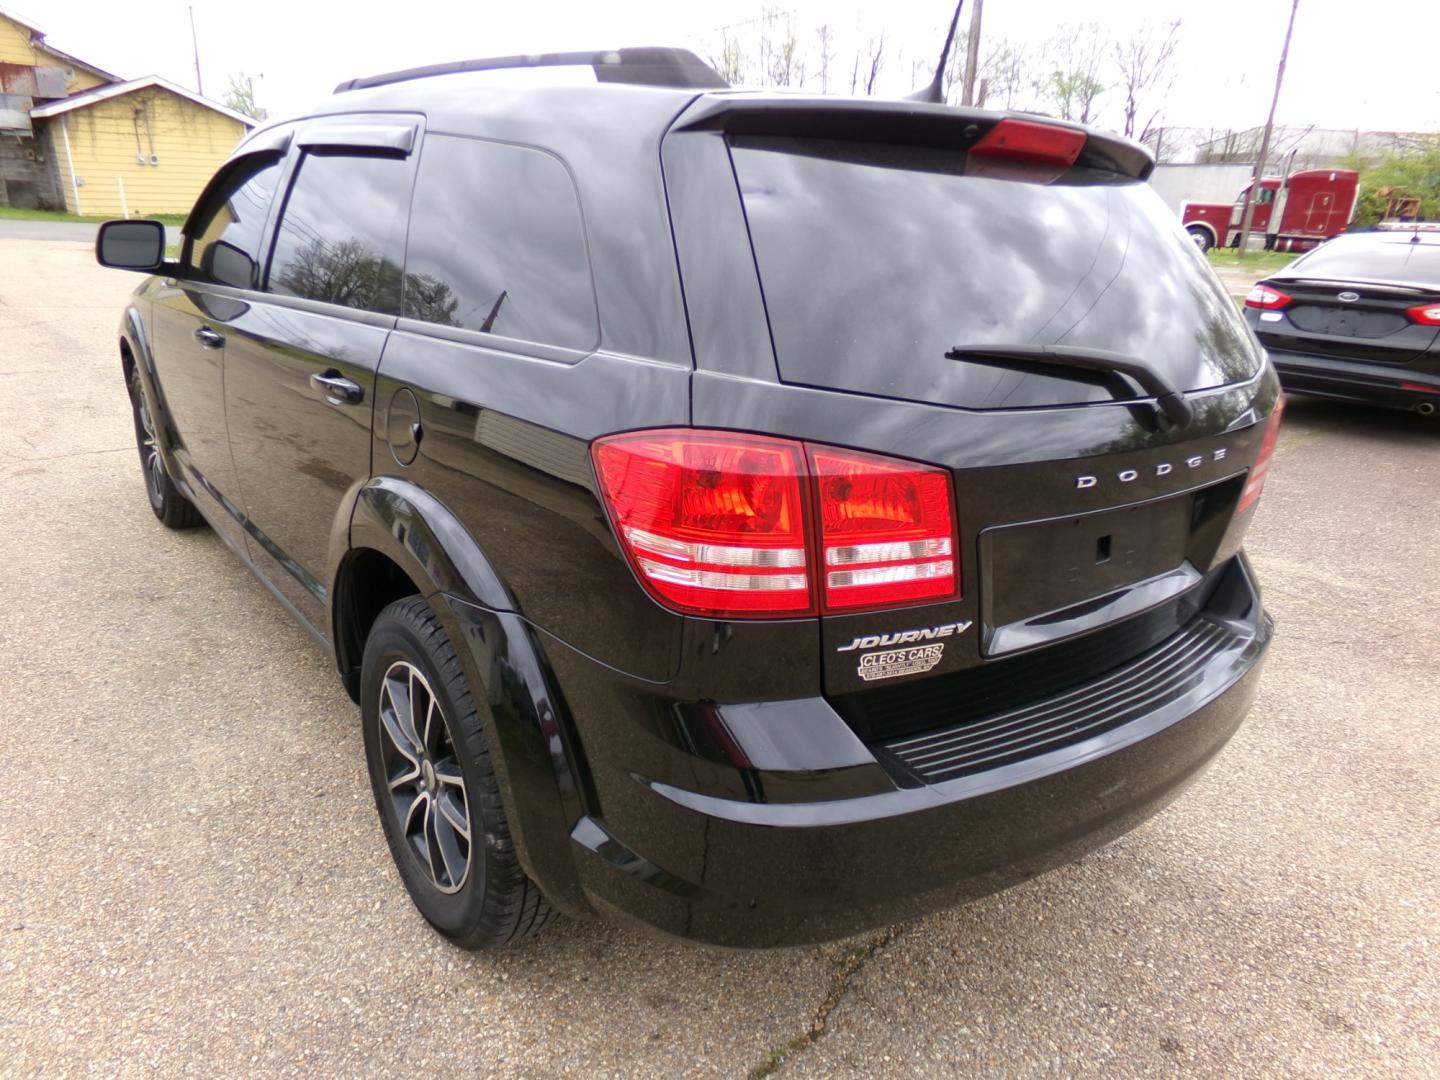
(1168, 399)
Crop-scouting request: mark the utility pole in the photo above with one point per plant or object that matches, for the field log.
(1247, 217)
(972, 54)
(195, 45)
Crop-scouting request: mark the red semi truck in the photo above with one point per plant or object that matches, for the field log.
(1293, 213)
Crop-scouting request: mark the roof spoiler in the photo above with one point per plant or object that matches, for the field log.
(908, 122)
(647, 66)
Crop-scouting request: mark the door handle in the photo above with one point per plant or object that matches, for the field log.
(209, 338)
(338, 389)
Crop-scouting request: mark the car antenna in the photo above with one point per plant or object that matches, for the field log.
(935, 91)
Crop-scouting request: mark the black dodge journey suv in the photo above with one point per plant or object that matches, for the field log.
(756, 516)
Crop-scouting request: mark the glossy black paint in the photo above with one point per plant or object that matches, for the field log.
(741, 871)
(708, 777)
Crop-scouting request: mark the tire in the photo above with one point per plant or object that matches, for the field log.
(1201, 238)
(436, 788)
(172, 508)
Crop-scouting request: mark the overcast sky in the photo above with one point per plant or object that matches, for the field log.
(1351, 65)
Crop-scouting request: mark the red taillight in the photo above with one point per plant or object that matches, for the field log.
(886, 532)
(1425, 314)
(724, 524)
(1267, 297)
(1025, 140)
(1255, 482)
(713, 523)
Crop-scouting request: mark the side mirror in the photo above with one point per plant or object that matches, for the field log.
(131, 245)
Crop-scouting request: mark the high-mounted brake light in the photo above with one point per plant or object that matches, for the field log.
(1255, 482)
(1266, 297)
(1027, 141)
(748, 526)
(1425, 314)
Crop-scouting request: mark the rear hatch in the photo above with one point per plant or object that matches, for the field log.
(923, 251)
(935, 300)
(1350, 299)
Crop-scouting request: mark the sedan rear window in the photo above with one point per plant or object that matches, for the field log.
(1396, 258)
(877, 260)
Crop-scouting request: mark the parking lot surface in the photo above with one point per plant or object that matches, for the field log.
(192, 879)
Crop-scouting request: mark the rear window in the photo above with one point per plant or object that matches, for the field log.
(1394, 259)
(497, 244)
(876, 260)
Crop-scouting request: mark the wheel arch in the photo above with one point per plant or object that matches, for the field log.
(392, 532)
(136, 355)
(404, 541)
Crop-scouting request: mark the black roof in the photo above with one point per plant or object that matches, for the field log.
(645, 66)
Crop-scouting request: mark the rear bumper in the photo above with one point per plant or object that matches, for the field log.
(758, 871)
(1352, 380)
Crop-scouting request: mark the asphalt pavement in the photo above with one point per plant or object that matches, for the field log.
(81, 232)
(192, 880)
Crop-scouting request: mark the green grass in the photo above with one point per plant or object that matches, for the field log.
(1259, 261)
(11, 213)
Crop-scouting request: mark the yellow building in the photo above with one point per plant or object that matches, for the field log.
(137, 148)
(23, 44)
(75, 137)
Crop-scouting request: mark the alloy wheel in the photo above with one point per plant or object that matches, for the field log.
(423, 777)
(150, 460)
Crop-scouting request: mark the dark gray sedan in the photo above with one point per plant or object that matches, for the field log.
(1357, 318)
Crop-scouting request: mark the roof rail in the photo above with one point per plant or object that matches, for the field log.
(640, 67)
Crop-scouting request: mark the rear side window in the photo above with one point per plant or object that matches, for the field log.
(342, 233)
(497, 244)
(226, 247)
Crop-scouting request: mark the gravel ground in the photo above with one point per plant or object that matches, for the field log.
(192, 881)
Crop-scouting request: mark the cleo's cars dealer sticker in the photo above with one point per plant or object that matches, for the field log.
(891, 663)
(896, 662)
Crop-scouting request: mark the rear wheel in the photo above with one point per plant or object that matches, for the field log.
(172, 508)
(1201, 237)
(435, 786)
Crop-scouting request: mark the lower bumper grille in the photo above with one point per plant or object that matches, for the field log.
(1124, 694)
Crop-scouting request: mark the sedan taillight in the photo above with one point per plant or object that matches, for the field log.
(1255, 482)
(1266, 297)
(1425, 314)
(750, 526)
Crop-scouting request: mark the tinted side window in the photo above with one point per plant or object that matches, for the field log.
(497, 244)
(226, 247)
(342, 232)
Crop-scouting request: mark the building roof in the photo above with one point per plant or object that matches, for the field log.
(105, 93)
(37, 40)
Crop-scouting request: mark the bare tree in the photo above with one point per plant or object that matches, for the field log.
(876, 53)
(730, 61)
(781, 63)
(826, 37)
(241, 96)
(1070, 81)
(1002, 75)
(1143, 62)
